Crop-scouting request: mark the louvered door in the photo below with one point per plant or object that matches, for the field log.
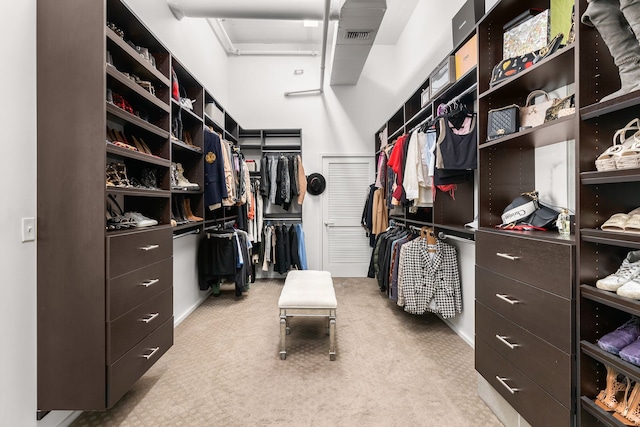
(345, 247)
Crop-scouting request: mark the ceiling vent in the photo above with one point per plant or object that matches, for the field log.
(357, 35)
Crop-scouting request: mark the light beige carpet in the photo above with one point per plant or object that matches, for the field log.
(391, 369)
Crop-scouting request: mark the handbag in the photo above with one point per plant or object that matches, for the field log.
(534, 115)
(527, 211)
(175, 86)
(185, 102)
(561, 108)
(503, 121)
(511, 66)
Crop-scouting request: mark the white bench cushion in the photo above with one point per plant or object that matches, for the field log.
(308, 289)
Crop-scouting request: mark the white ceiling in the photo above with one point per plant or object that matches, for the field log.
(267, 33)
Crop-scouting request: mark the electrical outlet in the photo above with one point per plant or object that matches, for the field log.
(28, 229)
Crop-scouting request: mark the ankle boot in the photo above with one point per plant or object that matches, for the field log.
(187, 210)
(172, 175)
(608, 19)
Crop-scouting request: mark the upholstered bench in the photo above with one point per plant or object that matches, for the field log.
(308, 293)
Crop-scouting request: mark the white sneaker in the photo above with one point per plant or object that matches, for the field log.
(140, 220)
(631, 289)
(629, 270)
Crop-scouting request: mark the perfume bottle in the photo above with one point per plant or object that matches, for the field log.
(564, 223)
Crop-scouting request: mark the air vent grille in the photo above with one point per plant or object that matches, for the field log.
(357, 35)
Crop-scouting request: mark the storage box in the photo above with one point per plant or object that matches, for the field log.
(526, 37)
(465, 20)
(212, 110)
(443, 76)
(425, 97)
(467, 57)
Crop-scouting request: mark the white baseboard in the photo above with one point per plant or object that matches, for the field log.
(178, 319)
(469, 340)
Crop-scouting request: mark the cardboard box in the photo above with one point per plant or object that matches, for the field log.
(467, 57)
(465, 20)
(526, 37)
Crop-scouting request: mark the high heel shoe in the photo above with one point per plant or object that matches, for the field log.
(628, 412)
(609, 398)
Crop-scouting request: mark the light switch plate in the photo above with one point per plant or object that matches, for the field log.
(28, 229)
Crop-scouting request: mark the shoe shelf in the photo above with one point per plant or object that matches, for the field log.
(183, 146)
(186, 113)
(126, 86)
(611, 106)
(600, 414)
(184, 191)
(136, 63)
(562, 129)
(610, 299)
(139, 192)
(134, 120)
(627, 240)
(209, 121)
(610, 177)
(136, 155)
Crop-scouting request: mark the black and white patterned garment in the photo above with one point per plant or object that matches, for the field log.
(427, 277)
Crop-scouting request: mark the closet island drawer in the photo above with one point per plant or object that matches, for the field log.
(549, 367)
(129, 329)
(132, 289)
(546, 265)
(129, 368)
(523, 394)
(137, 249)
(542, 313)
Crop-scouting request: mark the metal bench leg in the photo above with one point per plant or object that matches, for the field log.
(332, 337)
(283, 336)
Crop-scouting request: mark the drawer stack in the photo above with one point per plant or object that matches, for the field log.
(139, 305)
(524, 328)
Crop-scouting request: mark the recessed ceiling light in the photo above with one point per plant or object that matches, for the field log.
(310, 24)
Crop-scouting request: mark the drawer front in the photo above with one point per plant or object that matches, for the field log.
(129, 252)
(129, 329)
(545, 265)
(549, 367)
(543, 314)
(132, 289)
(529, 400)
(130, 367)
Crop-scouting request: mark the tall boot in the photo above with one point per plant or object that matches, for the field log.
(188, 212)
(631, 11)
(608, 19)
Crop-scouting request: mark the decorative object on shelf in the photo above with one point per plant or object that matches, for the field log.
(561, 108)
(466, 57)
(503, 121)
(511, 66)
(316, 184)
(608, 160)
(563, 223)
(532, 115)
(612, 19)
(527, 36)
(527, 210)
(144, 52)
(443, 76)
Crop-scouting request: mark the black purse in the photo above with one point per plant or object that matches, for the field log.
(526, 212)
(503, 121)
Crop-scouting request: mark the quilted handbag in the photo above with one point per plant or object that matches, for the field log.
(562, 107)
(511, 66)
(503, 121)
(532, 115)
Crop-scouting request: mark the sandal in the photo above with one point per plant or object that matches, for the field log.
(616, 223)
(607, 160)
(633, 224)
(629, 157)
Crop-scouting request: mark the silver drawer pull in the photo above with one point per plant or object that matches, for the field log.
(150, 355)
(149, 282)
(506, 299)
(507, 256)
(150, 247)
(150, 318)
(507, 343)
(502, 381)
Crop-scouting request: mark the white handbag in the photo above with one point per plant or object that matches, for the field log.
(532, 115)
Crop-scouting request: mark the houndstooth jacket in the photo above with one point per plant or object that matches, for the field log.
(425, 278)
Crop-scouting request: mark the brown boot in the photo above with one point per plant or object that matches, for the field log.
(187, 210)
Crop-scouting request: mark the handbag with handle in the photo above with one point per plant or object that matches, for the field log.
(532, 115)
(503, 121)
(526, 210)
(561, 108)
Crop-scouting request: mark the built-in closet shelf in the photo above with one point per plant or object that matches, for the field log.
(125, 231)
(190, 226)
(124, 152)
(550, 133)
(610, 177)
(186, 111)
(210, 122)
(185, 147)
(610, 238)
(456, 230)
(611, 106)
(421, 115)
(396, 133)
(143, 68)
(139, 192)
(549, 236)
(180, 191)
(135, 87)
(411, 221)
(610, 299)
(136, 121)
(214, 222)
(544, 75)
(622, 367)
(603, 416)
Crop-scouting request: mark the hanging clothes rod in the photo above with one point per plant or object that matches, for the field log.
(416, 127)
(226, 224)
(280, 151)
(444, 236)
(281, 219)
(176, 236)
(464, 93)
